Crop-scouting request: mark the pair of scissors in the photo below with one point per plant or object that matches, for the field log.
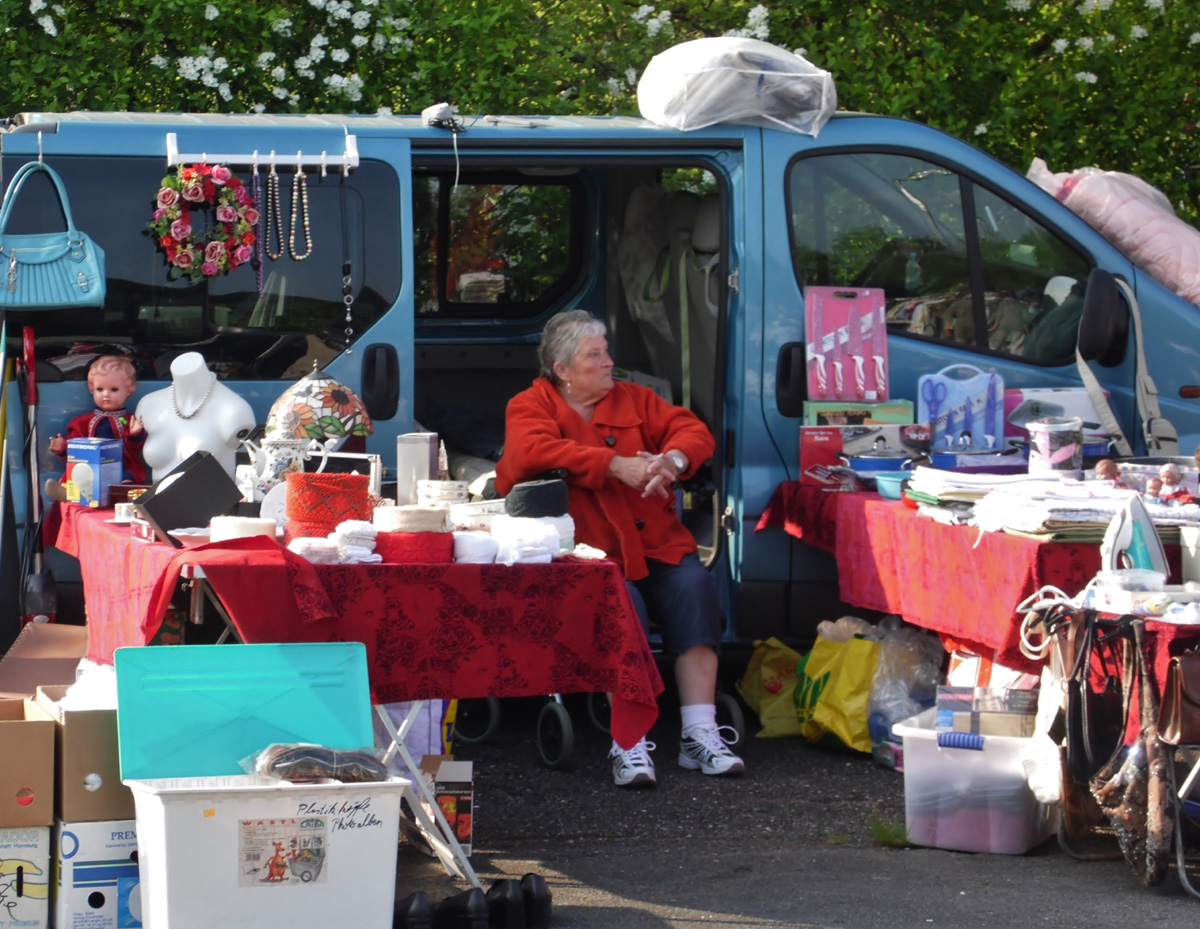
(993, 427)
(933, 392)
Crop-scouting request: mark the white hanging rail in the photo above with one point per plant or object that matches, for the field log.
(347, 160)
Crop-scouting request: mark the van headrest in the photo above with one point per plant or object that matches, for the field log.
(706, 232)
(681, 211)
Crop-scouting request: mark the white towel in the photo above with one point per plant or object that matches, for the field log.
(355, 532)
(316, 550)
(357, 554)
(474, 547)
(524, 540)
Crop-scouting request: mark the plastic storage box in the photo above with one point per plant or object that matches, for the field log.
(249, 851)
(969, 799)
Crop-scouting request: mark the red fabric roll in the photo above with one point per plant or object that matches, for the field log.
(415, 547)
(301, 529)
(328, 498)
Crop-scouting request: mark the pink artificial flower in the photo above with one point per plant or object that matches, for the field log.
(220, 175)
(250, 215)
(208, 269)
(242, 254)
(214, 251)
(226, 214)
(184, 258)
(243, 196)
(181, 229)
(167, 196)
(194, 193)
(159, 214)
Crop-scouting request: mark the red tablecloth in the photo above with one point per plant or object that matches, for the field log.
(954, 580)
(460, 630)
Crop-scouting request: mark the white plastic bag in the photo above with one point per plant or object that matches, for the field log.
(1133, 216)
(730, 80)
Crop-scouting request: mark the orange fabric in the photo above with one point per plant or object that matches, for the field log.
(543, 432)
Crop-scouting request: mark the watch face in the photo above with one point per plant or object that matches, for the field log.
(677, 460)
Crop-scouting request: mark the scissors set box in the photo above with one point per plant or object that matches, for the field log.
(964, 407)
(846, 337)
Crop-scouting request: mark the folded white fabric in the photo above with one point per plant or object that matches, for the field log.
(565, 527)
(315, 549)
(474, 547)
(524, 539)
(357, 554)
(355, 532)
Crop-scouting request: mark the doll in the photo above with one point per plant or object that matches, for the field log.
(1154, 491)
(1173, 488)
(111, 380)
(1106, 470)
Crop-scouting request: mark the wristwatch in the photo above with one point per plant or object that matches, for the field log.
(678, 460)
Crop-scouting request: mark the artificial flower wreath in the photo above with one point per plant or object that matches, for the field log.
(231, 236)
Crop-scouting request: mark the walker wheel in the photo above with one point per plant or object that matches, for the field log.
(600, 712)
(476, 720)
(555, 735)
(729, 713)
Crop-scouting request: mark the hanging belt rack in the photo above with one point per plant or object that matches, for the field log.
(346, 161)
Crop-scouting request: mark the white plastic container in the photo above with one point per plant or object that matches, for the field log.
(250, 851)
(967, 799)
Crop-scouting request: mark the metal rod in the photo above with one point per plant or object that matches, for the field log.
(349, 159)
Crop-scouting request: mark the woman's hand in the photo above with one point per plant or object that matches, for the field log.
(661, 474)
(632, 472)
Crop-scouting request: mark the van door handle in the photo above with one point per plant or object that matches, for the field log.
(791, 380)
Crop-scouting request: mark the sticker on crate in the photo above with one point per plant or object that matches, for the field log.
(282, 851)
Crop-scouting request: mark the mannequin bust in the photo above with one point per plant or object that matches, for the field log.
(196, 413)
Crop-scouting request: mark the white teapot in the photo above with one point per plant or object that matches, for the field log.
(275, 458)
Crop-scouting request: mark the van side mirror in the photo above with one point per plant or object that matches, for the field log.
(1104, 323)
(791, 380)
(380, 381)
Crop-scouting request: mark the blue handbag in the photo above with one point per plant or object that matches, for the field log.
(48, 270)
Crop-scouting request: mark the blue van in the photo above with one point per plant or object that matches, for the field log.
(436, 255)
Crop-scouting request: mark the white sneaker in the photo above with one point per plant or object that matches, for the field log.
(633, 768)
(708, 751)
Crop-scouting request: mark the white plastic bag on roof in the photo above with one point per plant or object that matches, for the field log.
(1135, 217)
(729, 80)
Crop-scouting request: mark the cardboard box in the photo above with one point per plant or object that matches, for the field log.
(96, 875)
(1023, 404)
(845, 413)
(987, 711)
(453, 785)
(89, 787)
(821, 445)
(44, 653)
(25, 878)
(92, 465)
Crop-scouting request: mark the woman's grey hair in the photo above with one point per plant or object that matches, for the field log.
(561, 338)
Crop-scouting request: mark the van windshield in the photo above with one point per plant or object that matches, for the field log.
(254, 322)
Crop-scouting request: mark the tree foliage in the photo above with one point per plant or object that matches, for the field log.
(1087, 82)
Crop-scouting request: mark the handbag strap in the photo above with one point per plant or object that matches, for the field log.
(14, 188)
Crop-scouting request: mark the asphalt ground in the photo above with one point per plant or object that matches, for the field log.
(808, 837)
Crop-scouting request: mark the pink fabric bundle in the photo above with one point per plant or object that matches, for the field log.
(415, 547)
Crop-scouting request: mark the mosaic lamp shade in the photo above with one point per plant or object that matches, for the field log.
(319, 407)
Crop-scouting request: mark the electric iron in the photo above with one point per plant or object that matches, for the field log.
(1131, 541)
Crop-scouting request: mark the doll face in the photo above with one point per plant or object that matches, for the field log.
(1170, 475)
(110, 391)
(1106, 470)
(1154, 486)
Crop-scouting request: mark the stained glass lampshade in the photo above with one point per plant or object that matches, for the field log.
(319, 407)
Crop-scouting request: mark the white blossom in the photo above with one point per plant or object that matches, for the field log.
(319, 4)
(370, 2)
(384, 111)
(279, 72)
(307, 73)
(282, 26)
(756, 23)
(642, 12)
(656, 24)
(220, 64)
(265, 59)
(159, 61)
(1061, 45)
(36, 6)
(1019, 6)
(258, 108)
(378, 42)
(567, 94)
(1138, 32)
(1109, 38)
(1086, 43)
(339, 55)
(361, 19)
(1104, 4)
(211, 12)
(1088, 6)
(800, 52)
(280, 92)
(225, 92)
(1154, 4)
(1086, 77)
(316, 54)
(1194, 38)
(208, 80)
(404, 42)
(981, 129)
(631, 77)
(319, 40)
(615, 87)
(47, 23)
(359, 41)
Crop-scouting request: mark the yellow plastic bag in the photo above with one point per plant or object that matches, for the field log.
(768, 686)
(834, 690)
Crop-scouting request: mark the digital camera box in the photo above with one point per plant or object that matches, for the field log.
(92, 465)
(25, 877)
(96, 878)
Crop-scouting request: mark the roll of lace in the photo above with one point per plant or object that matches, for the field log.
(328, 498)
(221, 528)
(415, 547)
(411, 518)
(535, 499)
(474, 547)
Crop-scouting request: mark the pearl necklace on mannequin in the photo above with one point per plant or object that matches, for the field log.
(203, 400)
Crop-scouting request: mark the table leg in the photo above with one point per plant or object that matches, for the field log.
(440, 836)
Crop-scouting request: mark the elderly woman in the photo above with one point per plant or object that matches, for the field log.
(623, 447)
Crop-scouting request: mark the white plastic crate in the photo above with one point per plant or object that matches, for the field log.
(249, 851)
(969, 799)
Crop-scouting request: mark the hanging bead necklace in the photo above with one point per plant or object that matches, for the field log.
(204, 400)
(273, 214)
(256, 192)
(300, 195)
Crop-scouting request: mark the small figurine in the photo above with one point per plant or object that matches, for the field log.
(1106, 470)
(112, 380)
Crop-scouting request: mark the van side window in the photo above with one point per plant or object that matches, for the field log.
(494, 245)
(251, 326)
(957, 263)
